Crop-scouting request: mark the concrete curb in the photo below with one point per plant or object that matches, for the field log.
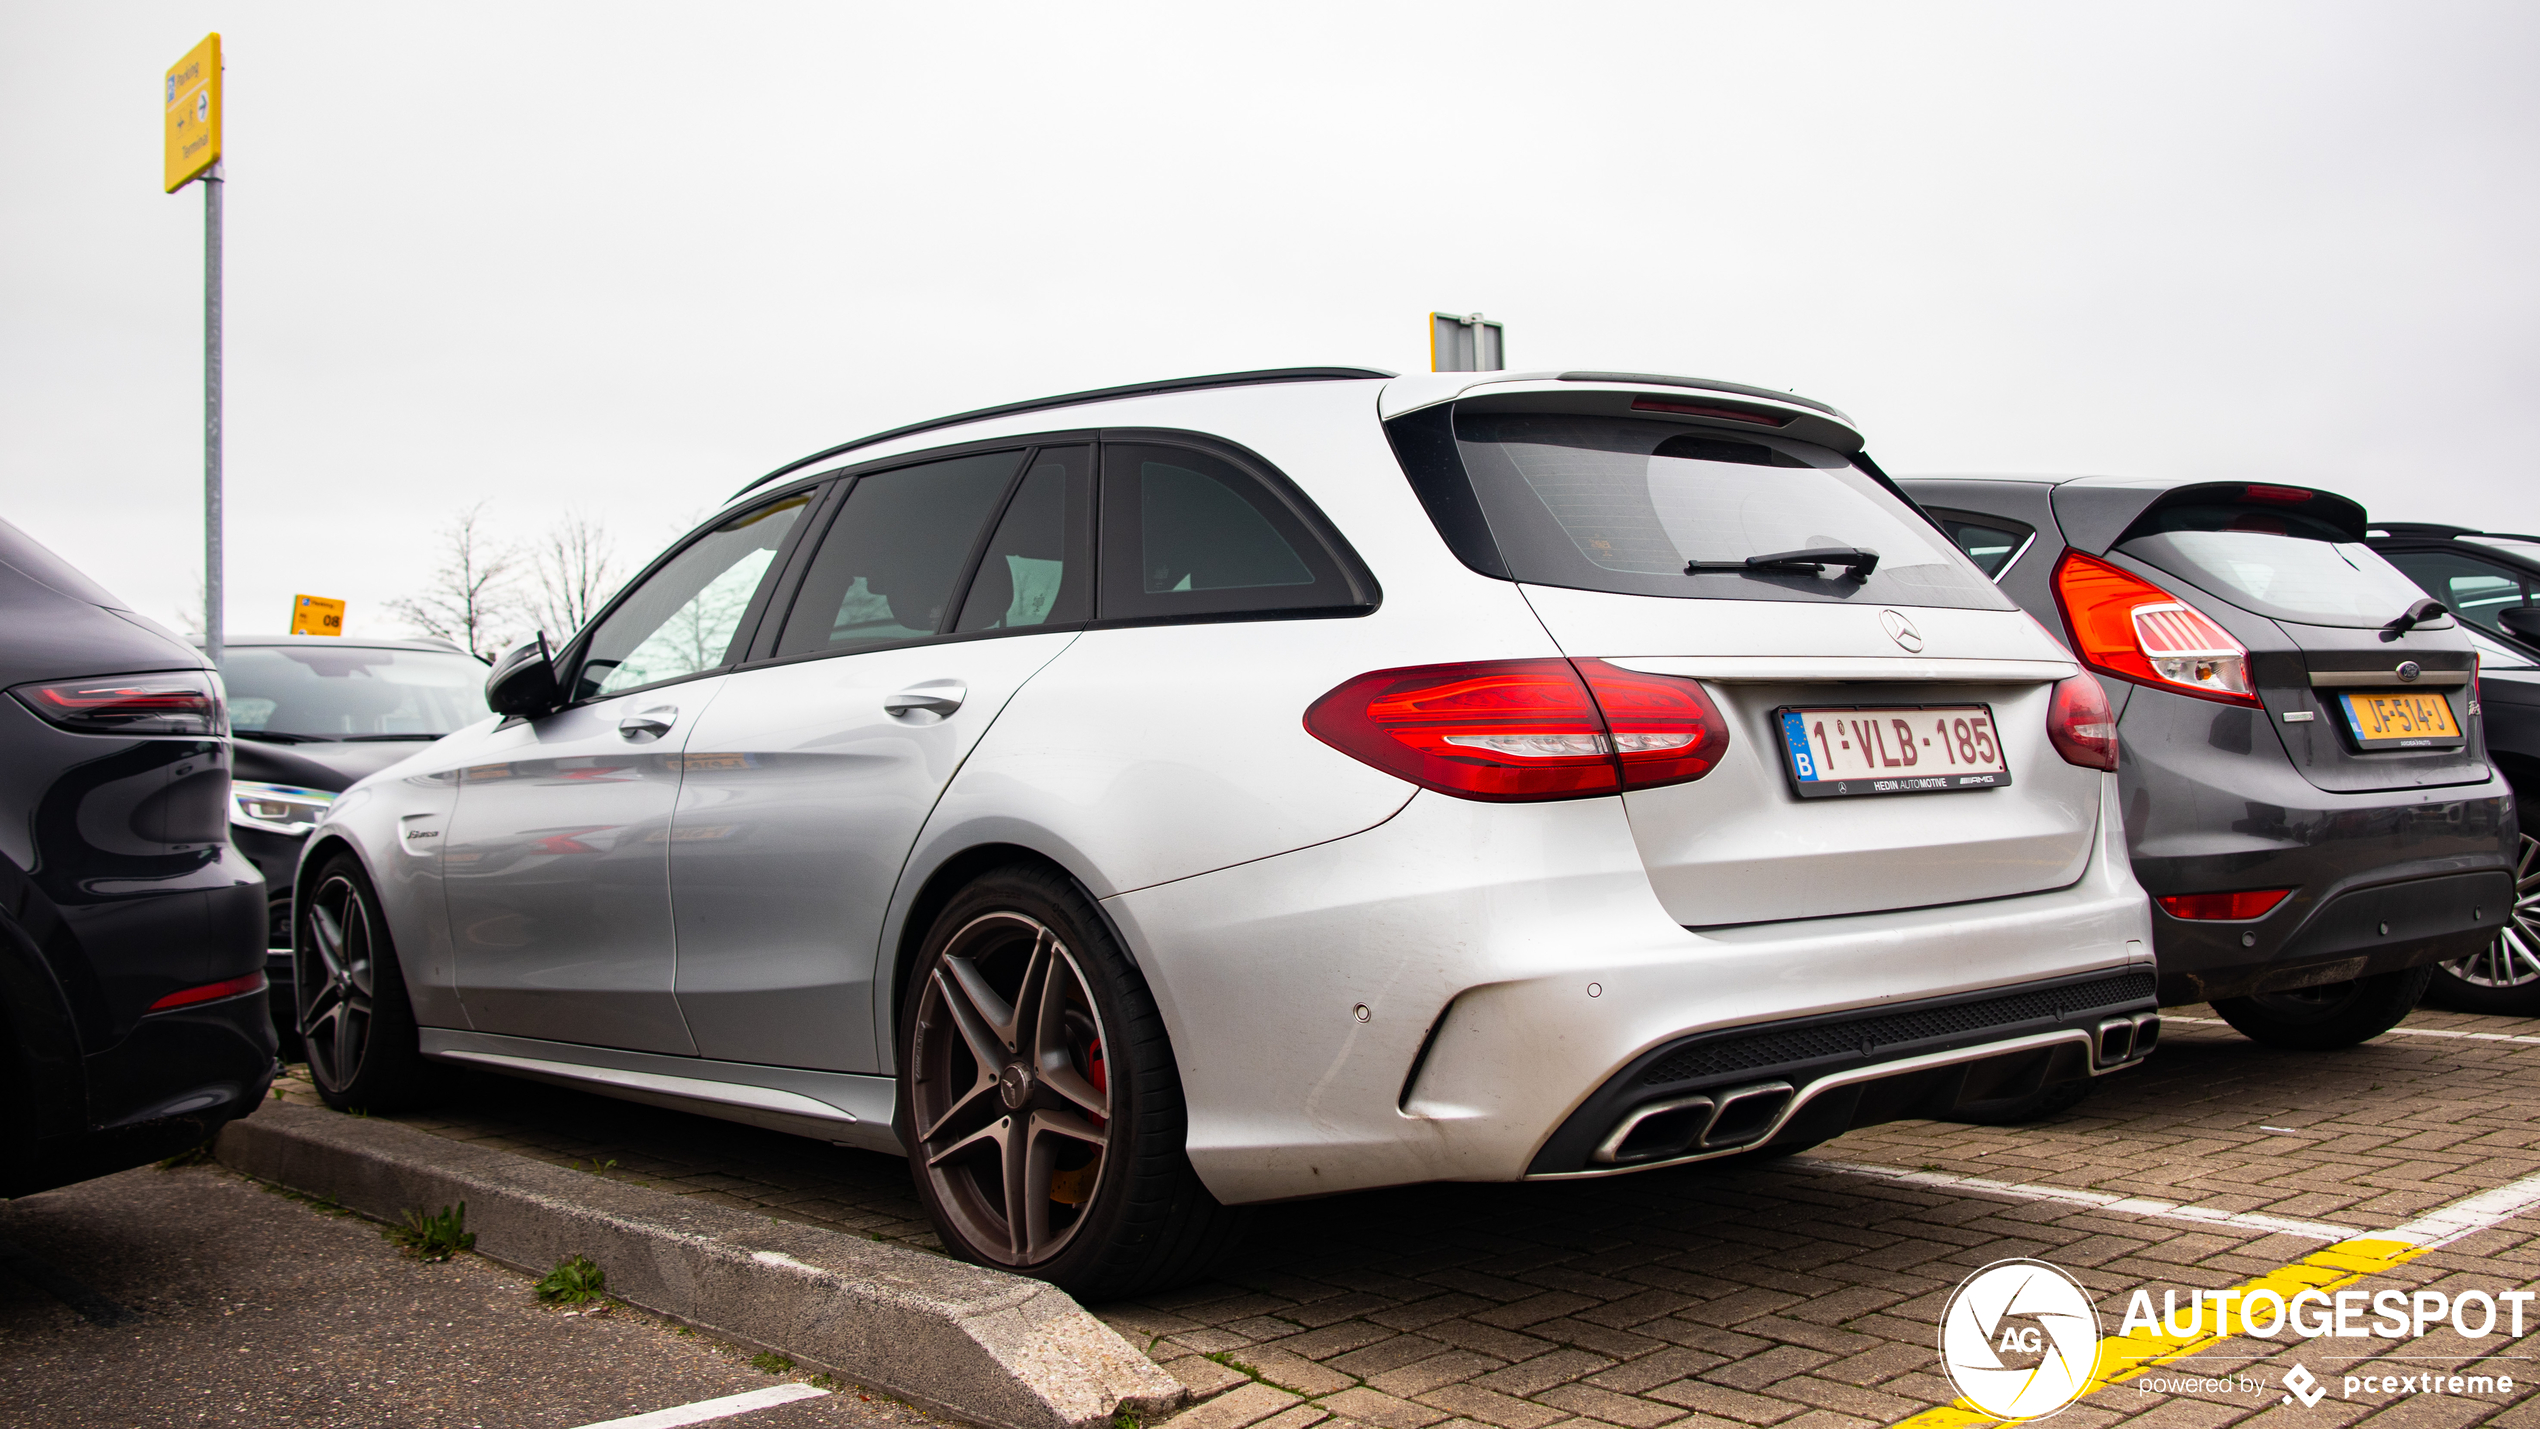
(978, 1344)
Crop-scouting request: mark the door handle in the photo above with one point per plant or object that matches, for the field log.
(648, 724)
(936, 697)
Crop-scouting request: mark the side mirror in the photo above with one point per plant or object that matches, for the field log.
(2522, 620)
(523, 682)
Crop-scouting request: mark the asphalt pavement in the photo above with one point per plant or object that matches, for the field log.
(194, 1297)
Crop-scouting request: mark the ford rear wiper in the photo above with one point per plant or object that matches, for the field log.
(1856, 562)
(376, 738)
(275, 736)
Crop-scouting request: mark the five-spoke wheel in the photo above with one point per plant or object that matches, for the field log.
(355, 1023)
(1040, 1103)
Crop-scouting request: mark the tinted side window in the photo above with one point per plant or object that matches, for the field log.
(2474, 589)
(1989, 541)
(684, 618)
(886, 572)
(1038, 568)
(1188, 534)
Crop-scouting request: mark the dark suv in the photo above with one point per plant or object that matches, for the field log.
(2307, 796)
(2491, 582)
(132, 936)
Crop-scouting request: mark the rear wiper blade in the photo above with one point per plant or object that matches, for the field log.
(375, 738)
(275, 736)
(1856, 562)
(2421, 613)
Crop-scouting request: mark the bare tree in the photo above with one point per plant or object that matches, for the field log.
(576, 564)
(473, 599)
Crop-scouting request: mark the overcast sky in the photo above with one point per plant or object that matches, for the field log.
(621, 258)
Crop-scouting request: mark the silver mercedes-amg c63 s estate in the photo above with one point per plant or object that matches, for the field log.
(1136, 804)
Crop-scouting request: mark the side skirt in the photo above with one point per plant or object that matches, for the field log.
(841, 1108)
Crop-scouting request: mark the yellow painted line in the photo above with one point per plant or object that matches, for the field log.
(2123, 1359)
(2395, 1031)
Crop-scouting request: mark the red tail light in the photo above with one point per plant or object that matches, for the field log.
(177, 702)
(1695, 409)
(2137, 631)
(2080, 724)
(2224, 907)
(2290, 494)
(212, 991)
(1665, 729)
(1514, 730)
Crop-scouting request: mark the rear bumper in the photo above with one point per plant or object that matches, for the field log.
(1811, 1079)
(1447, 996)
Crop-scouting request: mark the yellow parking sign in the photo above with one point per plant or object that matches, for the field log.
(316, 615)
(193, 97)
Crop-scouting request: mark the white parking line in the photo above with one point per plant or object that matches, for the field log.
(706, 1410)
(2121, 1205)
(2476, 1213)
(2395, 1031)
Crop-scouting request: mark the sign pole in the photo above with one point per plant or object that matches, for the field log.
(213, 604)
(193, 152)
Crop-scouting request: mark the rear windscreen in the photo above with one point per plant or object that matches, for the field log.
(1623, 505)
(2288, 577)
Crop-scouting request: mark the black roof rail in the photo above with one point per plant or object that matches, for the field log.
(1069, 399)
(1706, 384)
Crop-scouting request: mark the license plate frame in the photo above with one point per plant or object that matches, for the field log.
(2360, 725)
(1796, 756)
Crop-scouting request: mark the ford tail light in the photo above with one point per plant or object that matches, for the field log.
(2135, 630)
(175, 702)
(2224, 907)
(2080, 724)
(1518, 730)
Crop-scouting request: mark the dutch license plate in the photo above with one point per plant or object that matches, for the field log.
(1916, 749)
(2400, 719)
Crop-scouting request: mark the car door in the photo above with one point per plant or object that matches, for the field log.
(808, 779)
(556, 865)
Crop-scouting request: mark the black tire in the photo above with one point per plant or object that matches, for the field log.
(2322, 1019)
(356, 1024)
(1022, 1015)
(2031, 1106)
(2503, 978)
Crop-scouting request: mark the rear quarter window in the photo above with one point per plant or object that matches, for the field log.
(1190, 534)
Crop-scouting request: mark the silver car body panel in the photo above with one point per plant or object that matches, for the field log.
(557, 869)
(800, 798)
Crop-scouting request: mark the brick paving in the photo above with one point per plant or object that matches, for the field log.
(1786, 1293)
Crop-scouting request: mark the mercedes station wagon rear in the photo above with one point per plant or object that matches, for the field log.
(2308, 797)
(1136, 804)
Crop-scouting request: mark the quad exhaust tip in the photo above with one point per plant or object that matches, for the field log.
(1679, 1126)
(2123, 1039)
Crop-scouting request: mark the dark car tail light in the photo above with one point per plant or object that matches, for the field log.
(2224, 907)
(1509, 731)
(175, 702)
(2080, 724)
(238, 986)
(2135, 630)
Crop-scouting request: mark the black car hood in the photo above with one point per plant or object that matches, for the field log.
(329, 764)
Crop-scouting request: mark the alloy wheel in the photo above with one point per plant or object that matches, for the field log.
(336, 993)
(1010, 1092)
(2513, 959)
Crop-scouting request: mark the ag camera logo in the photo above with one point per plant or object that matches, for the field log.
(2020, 1338)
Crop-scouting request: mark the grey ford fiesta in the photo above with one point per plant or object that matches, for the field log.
(2308, 797)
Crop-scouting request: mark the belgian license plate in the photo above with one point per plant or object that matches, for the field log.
(1914, 749)
(2400, 719)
